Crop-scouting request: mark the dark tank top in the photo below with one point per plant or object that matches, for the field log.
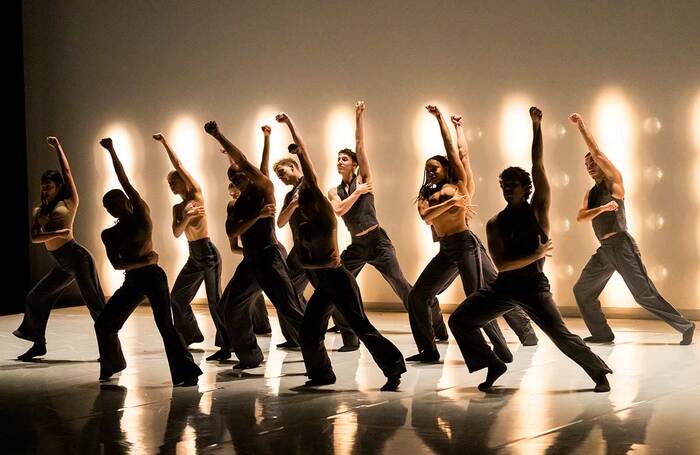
(521, 234)
(362, 215)
(261, 234)
(606, 222)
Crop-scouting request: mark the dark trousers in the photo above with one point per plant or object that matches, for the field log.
(375, 248)
(531, 293)
(516, 318)
(458, 253)
(264, 270)
(338, 286)
(150, 282)
(72, 262)
(203, 265)
(300, 279)
(620, 253)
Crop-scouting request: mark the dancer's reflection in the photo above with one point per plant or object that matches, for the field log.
(103, 433)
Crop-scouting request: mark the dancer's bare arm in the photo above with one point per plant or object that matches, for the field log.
(542, 194)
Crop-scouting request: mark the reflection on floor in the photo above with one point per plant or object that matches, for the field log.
(542, 405)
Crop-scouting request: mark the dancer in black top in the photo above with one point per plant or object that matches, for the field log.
(318, 252)
(518, 242)
(263, 266)
(130, 248)
(52, 225)
(443, 201)
(604, 206)
(353, 200)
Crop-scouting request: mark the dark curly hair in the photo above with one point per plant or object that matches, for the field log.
(426, 188)
(518, 174)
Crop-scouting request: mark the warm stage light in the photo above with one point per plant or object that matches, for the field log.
(184, 137)
(123, 144)
(613, 129)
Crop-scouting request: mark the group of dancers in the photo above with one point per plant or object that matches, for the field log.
(509, 282)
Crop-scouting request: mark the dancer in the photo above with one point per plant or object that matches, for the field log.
(516, 318)
(353, 200)
(52, 225)
(318, 252)
(130, 248)
(263, 266)
(204, 261)
(518, 242)
(443, 200)
(604, 206)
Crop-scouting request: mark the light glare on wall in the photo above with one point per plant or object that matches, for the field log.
(613, 129)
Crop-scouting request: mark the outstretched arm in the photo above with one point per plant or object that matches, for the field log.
(362, 161)
(175, 161)
(608, 168)
(65, 169)
(130, 191)
(464, 154)
(265, 161)
(231, 150)
(452, 154)
(542, 195)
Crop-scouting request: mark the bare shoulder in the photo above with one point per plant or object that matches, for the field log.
(333, 192)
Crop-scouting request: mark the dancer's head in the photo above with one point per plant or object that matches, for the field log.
(287, 171)
(347, 162)
(516, 185)
(53, 188)
(177, 184)
(437, 172)
(238, 178)
(593, 169)
(116, 203)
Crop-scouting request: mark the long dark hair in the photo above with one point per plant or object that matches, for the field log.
(427, 188)
(63, 192)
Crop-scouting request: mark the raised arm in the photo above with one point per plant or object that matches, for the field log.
(231, 150)
(497, 250)
(608, 168)
(452, 155)
(464, 154)
(307, 168)
(542, 194)
(265, 161)
(130, 191)
(362, 161)
(65, 169)
(175, 161)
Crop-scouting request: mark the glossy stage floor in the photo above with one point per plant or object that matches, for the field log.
(544, 403)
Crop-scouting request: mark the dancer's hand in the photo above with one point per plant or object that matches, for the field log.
(611, 206)
(159, 137)
(293, 149)
(364, 188)
(194, 212)
(576, 118)
(545, 249)
(52, 141)
(456, 120)
(107, 143)
(267, 212)
(359, 108)
(282, 117)
(212, 128)
(536, 115)
(433, 110)
(266, 130)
